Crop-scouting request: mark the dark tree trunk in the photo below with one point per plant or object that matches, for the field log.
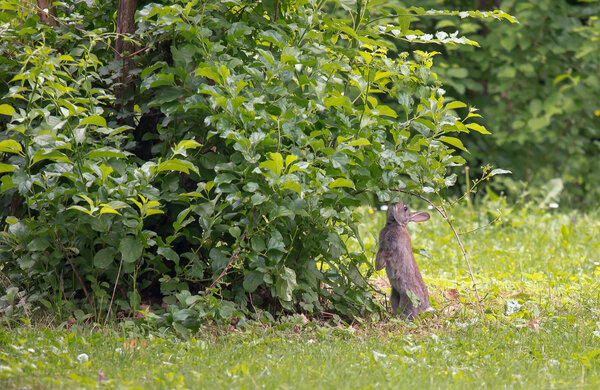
(125, 92)
(483, 5)
(47, 16)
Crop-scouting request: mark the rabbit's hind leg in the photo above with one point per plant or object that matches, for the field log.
(395, 301)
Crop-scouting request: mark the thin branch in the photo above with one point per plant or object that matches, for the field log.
(254, 307)
(233, 256)
(112, 298)
(484, 226)
(462, 248)
(66, 253)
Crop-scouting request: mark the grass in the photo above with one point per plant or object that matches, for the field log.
(561, 353)
(537, 273)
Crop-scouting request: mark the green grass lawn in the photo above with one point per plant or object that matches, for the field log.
(538, 277)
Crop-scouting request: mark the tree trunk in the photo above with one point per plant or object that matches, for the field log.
(125, 91)
(48, 16)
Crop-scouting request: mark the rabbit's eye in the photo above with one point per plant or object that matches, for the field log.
(405, 208)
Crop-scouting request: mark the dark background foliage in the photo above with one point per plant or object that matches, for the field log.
(537, 86)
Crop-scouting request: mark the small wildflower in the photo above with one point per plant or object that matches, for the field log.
(597, 112)
(83, 358)
(370, 211)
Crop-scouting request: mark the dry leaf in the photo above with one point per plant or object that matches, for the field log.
(534, 324)
(452, 294)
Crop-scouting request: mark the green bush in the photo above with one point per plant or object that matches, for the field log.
(257, 131)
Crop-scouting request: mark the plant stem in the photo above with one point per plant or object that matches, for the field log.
(112, 298)
(234, 255)
(85, 292)
(468, 186)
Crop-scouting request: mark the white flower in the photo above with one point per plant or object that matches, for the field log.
(83, 358)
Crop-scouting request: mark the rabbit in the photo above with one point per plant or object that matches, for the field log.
(395, 254)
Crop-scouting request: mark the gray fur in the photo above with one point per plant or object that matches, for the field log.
(395, 254)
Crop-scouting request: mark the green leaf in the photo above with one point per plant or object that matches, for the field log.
(258, 244)
(454, 105)
(341, 182)
(292, 185)
(226, 310)
(207, 71)
(188, 144)
(478, 128)
(79, 208)
(66, 57)
(6, 109)
(338, 101)
(404, 23)
(290, 159)
(93, 120)
(359, 142)
(7, 168)
(103, 153)
(10, 146)
(106, 209)
(175, 164)
(168, 253)
(38, 244)
(538, 123)
(104, 257)
(507, 72)
(258, 198)
(286, 283)
(235, 231)
(275, 164)
(131, 249)
(252, 280)
(151, 69)
(454, 142)
(153, 212)
(53, 155)
(385, 110)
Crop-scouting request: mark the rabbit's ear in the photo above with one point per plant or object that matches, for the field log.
(419, 216)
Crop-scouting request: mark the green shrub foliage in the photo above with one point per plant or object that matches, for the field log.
(258, 127)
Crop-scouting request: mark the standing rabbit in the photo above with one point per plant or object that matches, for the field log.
(409, 292)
